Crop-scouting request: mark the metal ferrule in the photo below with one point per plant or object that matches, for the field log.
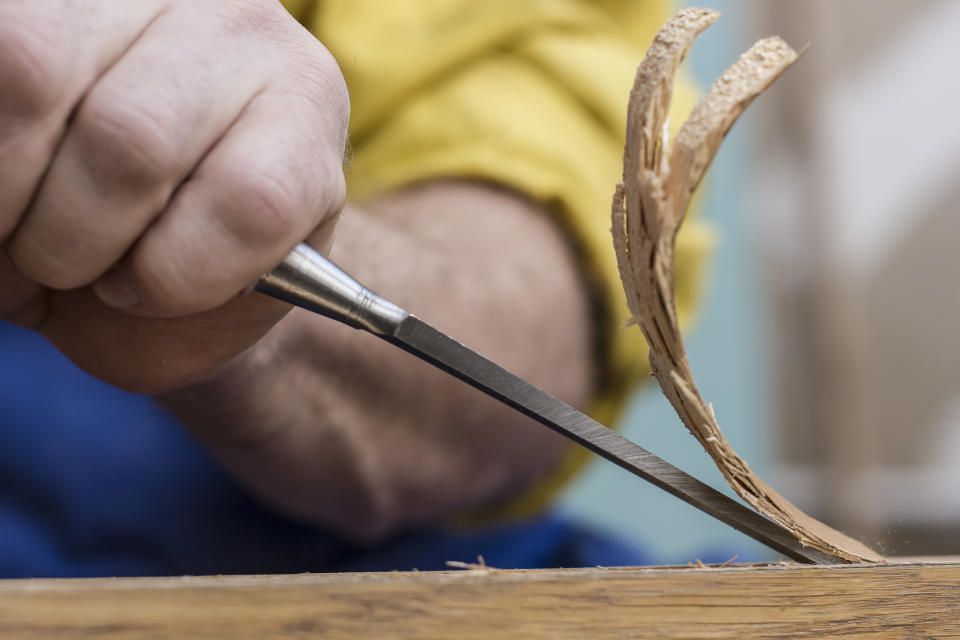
(306, 278)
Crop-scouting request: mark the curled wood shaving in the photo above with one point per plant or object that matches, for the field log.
(648, 208)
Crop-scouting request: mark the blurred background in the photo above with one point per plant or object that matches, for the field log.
(825, 342)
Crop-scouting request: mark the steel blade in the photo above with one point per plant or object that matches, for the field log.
(425, 342)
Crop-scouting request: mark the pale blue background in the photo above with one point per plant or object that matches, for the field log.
(726, 352)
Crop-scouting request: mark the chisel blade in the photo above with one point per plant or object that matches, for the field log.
(429, 344)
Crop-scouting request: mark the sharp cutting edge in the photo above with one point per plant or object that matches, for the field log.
(308, 279)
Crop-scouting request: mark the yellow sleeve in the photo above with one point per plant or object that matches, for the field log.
(531, 95)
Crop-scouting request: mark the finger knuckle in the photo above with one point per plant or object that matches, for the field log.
(29, 68)
(262, 17)
(321, 77)
(263, 206)
(125, 142)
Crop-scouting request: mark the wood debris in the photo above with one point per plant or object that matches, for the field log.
(479, 565)
(648, 207)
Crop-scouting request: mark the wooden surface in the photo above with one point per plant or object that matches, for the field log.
(771, 601)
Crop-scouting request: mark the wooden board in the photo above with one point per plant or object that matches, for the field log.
(770, 601)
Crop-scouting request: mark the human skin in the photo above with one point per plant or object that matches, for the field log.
(156, 157)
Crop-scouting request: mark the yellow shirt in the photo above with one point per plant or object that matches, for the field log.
(528, 93)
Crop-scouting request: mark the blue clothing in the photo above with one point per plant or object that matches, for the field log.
(98, 482)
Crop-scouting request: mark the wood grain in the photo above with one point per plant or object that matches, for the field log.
(769, 601)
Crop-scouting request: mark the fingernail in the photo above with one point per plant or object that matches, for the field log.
(114, 292)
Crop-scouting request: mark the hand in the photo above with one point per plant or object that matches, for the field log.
(157, 157)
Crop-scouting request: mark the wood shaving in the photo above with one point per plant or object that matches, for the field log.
(648, 207)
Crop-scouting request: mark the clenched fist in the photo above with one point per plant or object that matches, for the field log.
(156, 157)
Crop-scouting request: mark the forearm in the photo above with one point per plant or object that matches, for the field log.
(337, 427)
